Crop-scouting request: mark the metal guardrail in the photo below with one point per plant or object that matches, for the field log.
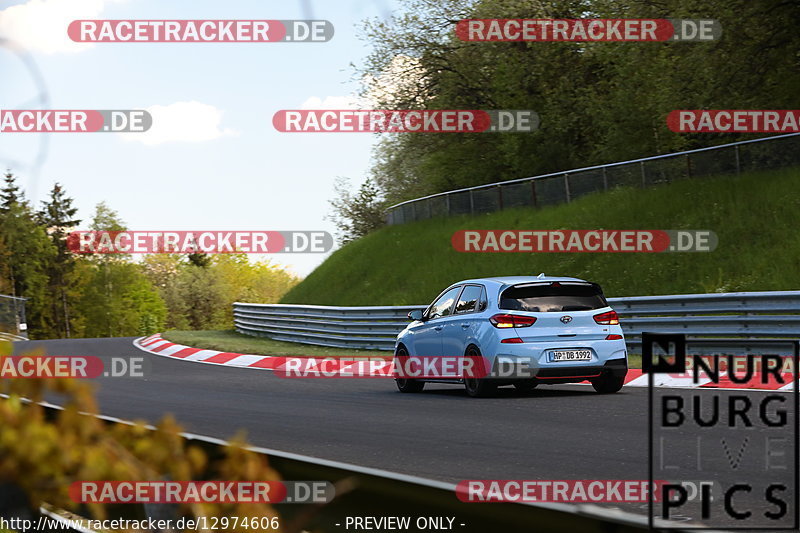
(778, 151)
(720, 321)
(365, 328)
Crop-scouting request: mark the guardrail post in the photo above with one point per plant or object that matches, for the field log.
(500, 196)
(533, 193)
(605, 179)
(447, 202)
(414, 211)
(471, 203)
(566, 186)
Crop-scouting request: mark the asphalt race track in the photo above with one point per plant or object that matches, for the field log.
(556, 432)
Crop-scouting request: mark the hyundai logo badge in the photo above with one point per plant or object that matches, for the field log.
(566, 319)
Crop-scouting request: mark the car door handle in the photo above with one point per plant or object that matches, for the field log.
(465, 326)
(438, 328)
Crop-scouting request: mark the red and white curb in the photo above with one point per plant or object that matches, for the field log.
(156, 345)
(635, 378)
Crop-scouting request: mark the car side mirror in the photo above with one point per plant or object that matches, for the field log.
(416, 314)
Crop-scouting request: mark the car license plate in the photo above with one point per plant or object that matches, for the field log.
(572, 355)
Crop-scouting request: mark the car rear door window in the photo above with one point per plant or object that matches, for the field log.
(469, 300)
(553, 297)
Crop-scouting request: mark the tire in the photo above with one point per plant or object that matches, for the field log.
(608, 384)
(525, 386)
(478, 387)
(404, 384)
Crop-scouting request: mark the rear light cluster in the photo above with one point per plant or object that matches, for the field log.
(607, 319)
(512, 321)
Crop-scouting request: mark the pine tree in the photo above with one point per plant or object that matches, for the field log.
(10, 194)
(24, 257)
(199, 259)
(58, 218)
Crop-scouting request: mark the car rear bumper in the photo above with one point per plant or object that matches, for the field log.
(609, 357)
(540, 355)
(617, 368)
(505, 373)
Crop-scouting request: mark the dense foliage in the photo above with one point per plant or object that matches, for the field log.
(109, 295)
(43, 455)
(598, 102)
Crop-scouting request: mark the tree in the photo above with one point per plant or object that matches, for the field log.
(201, 297)
(164, 272)
(357, 214)
(598, 102)
(10, 194)
(106, 219)
(243, 280)
(199, 259)
(58, 217)
(24, 257)
(118, 299)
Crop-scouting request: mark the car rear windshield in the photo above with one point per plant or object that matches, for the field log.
(553, 298)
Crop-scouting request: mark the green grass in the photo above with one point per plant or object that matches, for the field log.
(755, 216)
(231, 341)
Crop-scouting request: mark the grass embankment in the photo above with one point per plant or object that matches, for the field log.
(756, 217)
(231, 341)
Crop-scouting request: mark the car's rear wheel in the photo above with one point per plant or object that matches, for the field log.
(608, 383)
(404, 384)
(477, 387)
(525, 386)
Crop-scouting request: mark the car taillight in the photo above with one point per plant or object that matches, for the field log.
(613, 337)
(607, 319)
(512, 321)
(512, 340)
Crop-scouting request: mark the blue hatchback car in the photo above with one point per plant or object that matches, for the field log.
(526, 330)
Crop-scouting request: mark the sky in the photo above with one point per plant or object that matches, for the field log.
(215, 162)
